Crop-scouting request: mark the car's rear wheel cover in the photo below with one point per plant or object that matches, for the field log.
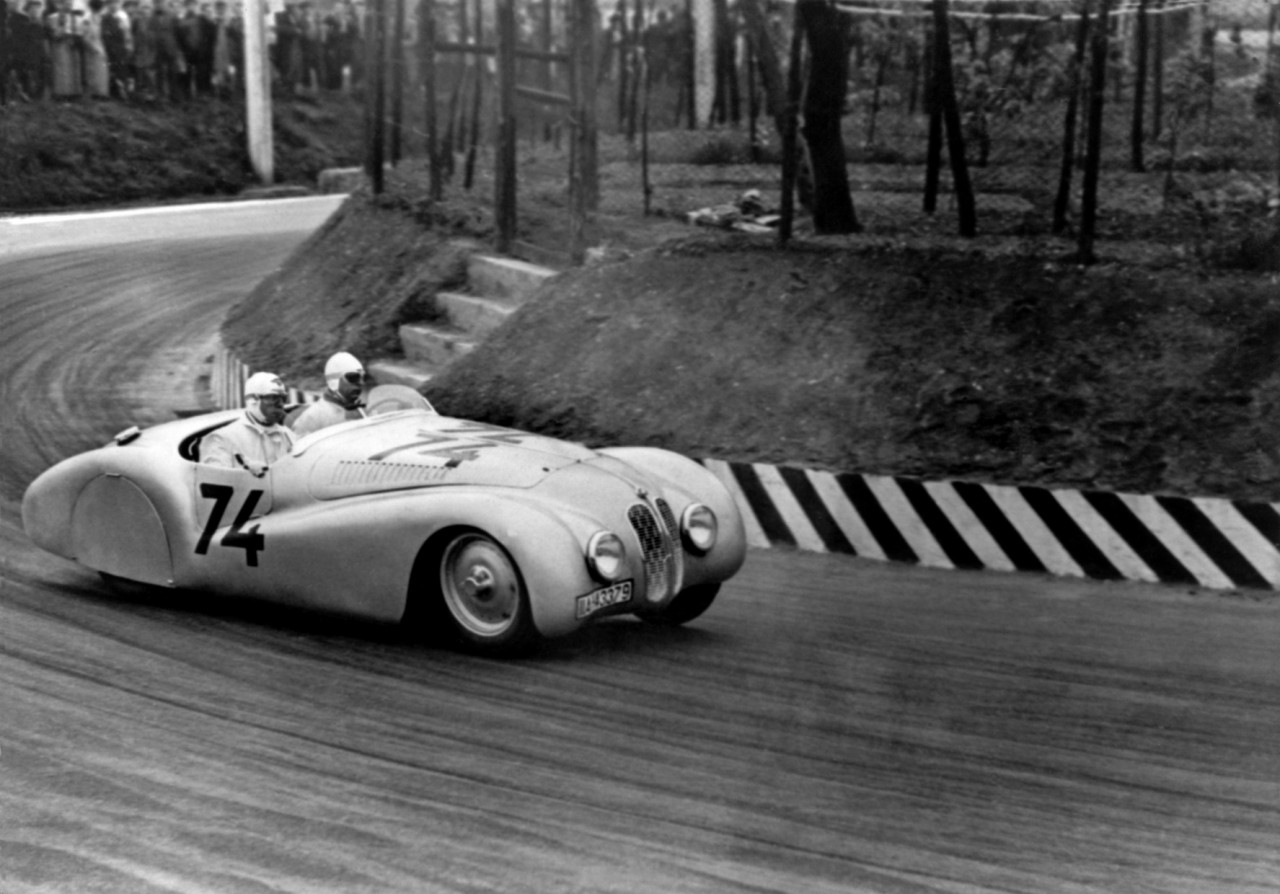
(482, 588)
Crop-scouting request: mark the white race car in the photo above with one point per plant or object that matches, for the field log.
(494, 535)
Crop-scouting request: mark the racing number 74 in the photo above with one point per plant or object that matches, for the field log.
(236, 538)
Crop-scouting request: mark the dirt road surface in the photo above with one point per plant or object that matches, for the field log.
(831, 725)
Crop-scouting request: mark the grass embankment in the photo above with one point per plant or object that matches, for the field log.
(857, 355)
(95, 153)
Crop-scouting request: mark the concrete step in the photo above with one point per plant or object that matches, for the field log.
(430, 345)
(475, 314)
(496, 277)
(399, 372)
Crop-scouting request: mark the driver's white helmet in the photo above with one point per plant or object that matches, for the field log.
(338, 366)
(263, 383)
(258, 386)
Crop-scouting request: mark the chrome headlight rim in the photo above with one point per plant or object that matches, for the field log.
(699, 528)
(606, 557)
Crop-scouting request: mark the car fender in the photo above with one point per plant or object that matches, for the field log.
(114, 509)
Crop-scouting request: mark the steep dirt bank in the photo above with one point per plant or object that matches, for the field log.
(861, 356)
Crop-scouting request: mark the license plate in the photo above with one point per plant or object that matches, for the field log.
(591, 603)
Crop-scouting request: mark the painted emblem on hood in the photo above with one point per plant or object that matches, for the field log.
(457, 444)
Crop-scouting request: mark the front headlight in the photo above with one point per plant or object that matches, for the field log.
(698, 527)
(606, 556)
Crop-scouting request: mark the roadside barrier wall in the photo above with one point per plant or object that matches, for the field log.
(1209, 542)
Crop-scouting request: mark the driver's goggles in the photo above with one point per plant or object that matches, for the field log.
(270, 398)
(353, 378)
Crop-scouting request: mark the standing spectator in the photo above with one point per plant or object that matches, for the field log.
(348, 48)
(289, 28)
(97, 78)
(143, 63)
(235, 47)
(117, 40)
(171, 65)
(205, 50)
(65, 31)
(29, 54)
(221, 73)
(7, 16)
(8, 48)
(309, 43)
(189, 31)
(611, 44)
(331, 49)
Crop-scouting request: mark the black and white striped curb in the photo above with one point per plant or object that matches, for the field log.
(1202, 541)
(1209, 542)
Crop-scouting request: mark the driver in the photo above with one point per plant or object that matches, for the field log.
(344, 378)
(256, 439)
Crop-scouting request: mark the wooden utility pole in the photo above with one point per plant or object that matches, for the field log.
(257, 93)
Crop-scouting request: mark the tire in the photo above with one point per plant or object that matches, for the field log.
(483, 596)
(687, 605)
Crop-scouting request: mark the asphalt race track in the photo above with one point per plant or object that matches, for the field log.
(831, 725)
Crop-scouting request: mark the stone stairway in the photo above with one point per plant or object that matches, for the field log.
(496, 286)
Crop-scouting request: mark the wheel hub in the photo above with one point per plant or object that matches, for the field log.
(479, 583)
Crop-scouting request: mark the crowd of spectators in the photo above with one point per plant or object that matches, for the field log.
(163, 50)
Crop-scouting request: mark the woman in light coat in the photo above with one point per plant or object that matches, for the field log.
(97, 76)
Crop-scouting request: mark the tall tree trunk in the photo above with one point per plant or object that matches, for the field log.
(1157, 75)
(1093, 153)
(1063, 200)
(767, 63)
(1139, 89)
(946, 97)
(824, 103)
(933, 108)
(787, 131)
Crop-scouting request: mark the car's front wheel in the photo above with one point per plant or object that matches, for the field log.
(484, 595)
(687, 605)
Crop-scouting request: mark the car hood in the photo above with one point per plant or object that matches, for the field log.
(420, 449)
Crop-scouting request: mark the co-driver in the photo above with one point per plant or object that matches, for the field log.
(344, 378)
